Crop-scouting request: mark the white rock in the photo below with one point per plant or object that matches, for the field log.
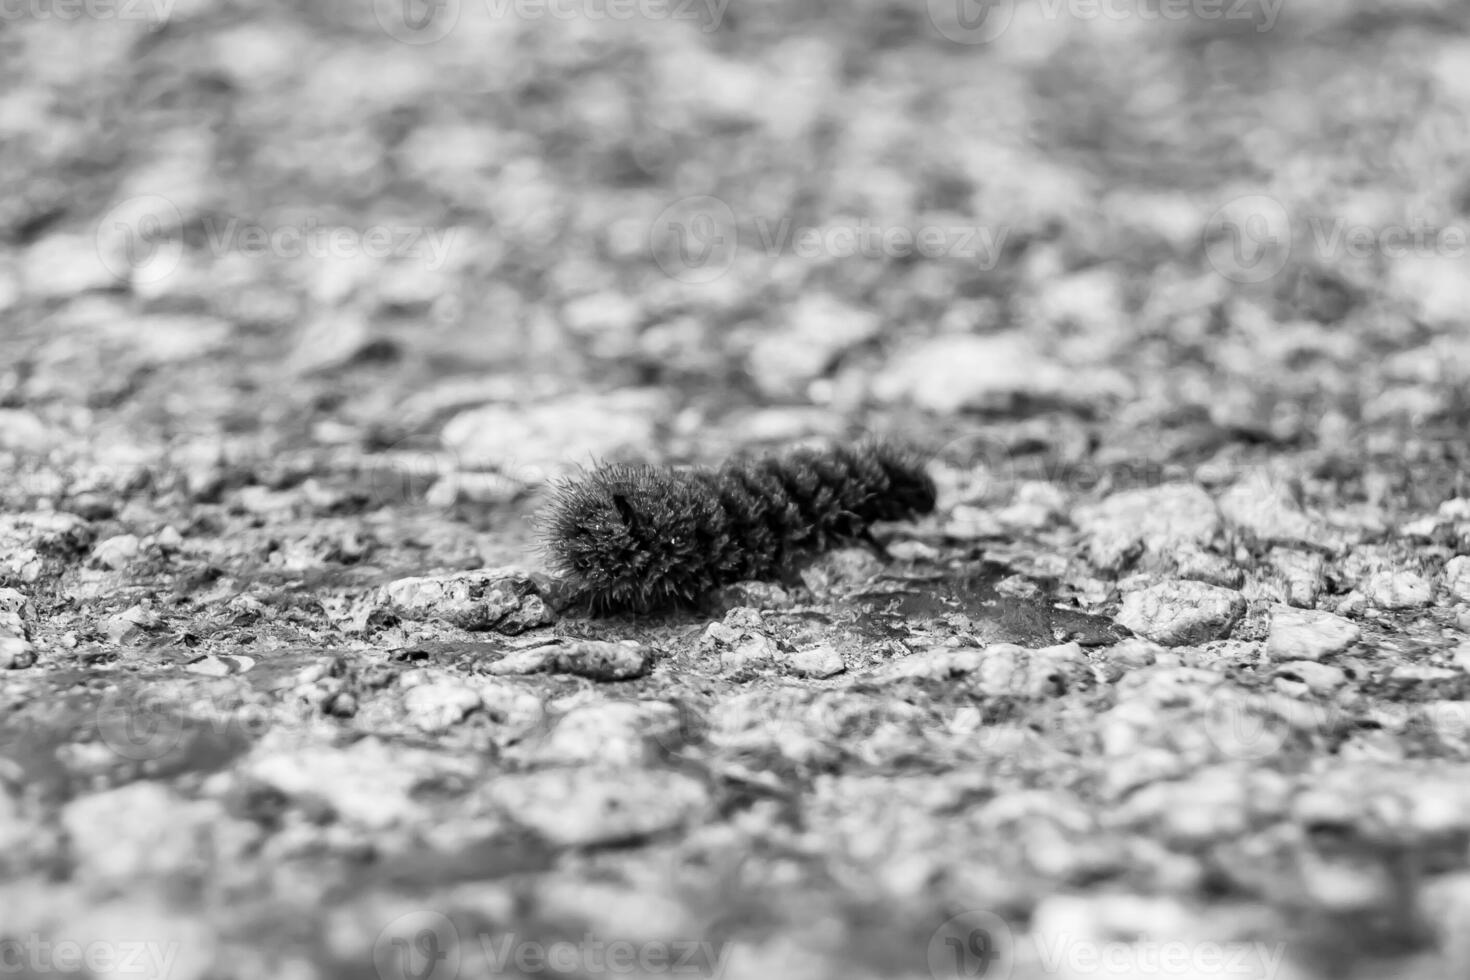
(603, 660)
(1306, 634)
(612, 734)
(1266, 509)
(582, 806)
(1461, 656)
(998, 669)
(818, 661)
(1159, 520)
(1319, 679)
(606, 322)
(24, 432)
(137, 830)
(370, 783)
(504, 599)
(1457, 577)
(948, 374)
(329, 342)
(15, 601)
(534, 442)
(64, 265)
(1302, 576)
(816, 332)
(16, 652)
(1398, 590)
(439, 705)
(751, 652)
(1182, 613)
(117, 552)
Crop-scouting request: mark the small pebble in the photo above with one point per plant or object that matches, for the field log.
(1306, 634)
(16, 652)
(752, 651)
(1182, 613)
(1457, 577)
(438, 706)
(1398, 590)
(1319, 679)
(818, 661)
(116, 553)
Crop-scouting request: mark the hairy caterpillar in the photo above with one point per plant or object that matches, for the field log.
(637, 537)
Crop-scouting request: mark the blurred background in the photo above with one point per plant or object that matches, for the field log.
(300, 298)
(521, 232)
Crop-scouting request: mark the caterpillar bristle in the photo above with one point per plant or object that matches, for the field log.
(631, 537)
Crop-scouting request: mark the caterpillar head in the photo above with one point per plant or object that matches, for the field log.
(632, 537)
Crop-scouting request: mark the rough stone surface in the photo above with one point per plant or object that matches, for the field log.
(949, 374)
(1182, 613)
(502, 599)
(1264, 508)
(304, 305)
(818, 661)
(1159, 520)
(1457, 577)
(785, 361)
(438, 705)
(1306, 634)
(604, 661)
(1398, 590)
(583, 806)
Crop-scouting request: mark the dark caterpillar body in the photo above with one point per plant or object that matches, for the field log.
(639, 537)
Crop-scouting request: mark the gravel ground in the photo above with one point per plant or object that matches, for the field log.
(304, 305)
